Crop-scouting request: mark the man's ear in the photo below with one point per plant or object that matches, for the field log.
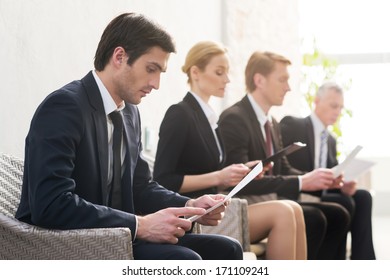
(259, 80)
(119, 56)
(316, 100)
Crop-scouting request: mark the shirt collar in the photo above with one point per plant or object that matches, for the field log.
(108, 102)
(207, 110)
(317, 124)
(260, 115)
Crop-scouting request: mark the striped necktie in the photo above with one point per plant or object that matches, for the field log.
(323, 152)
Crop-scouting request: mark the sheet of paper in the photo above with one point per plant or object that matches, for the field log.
(339, 169)
(249, 177)
(356, 168)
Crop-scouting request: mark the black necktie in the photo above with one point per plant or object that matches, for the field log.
(116, 190)
(268, 141)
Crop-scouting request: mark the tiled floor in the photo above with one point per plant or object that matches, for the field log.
(381, 233)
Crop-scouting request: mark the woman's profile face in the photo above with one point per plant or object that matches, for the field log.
(213, 79)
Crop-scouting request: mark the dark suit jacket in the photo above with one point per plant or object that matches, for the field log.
(244, 141)
(186, 146)
(66, 165)
(359, 205)
(301, 130)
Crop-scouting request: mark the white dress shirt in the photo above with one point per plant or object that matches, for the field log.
(318, 128)
(110, 106)
(262, 118)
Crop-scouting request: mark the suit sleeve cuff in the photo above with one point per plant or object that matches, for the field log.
(300, 183)
(136, 228)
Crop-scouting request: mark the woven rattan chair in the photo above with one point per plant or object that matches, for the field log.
(19, 240)
(234, 224)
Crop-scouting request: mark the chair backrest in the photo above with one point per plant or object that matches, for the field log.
(19, 240)
(11, 179)
(234, 223)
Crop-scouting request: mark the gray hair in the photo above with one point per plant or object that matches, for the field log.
(328, 86)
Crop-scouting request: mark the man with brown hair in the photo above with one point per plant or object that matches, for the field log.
(244, 128)
(76, 176)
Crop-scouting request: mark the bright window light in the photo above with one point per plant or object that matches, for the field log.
(356, 32)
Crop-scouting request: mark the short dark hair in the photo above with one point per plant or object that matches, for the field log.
(136, 34)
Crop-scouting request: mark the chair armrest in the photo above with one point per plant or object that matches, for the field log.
(19, 240)
(234, 223)
(196, 228)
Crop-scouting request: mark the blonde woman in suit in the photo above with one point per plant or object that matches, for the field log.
(190, 155)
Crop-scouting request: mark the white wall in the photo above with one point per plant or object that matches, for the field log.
(379, 185)
(44, 44)
(266, 26)
(47, 43)
(243, 26)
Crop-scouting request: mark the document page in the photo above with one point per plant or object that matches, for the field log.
(345, 166)
(249, 177)
(356, 168)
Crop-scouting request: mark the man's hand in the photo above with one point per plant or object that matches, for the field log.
(167, 225)
(319, 179)
(349, 188)
(206, 201)
(253, 163)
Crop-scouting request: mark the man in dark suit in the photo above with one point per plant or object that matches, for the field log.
(70, 179)
(244, 136)
(329, 102)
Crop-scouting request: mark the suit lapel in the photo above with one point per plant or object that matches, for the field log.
(332, 152)
(309, 130)
(203, 126)
(131, 145)
(130, 158)
(217, 131)
(259, 138)
(275, 137)
(100, 121)
(102, 144)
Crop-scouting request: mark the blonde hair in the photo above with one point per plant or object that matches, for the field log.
(263, 63)
(200, 55)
